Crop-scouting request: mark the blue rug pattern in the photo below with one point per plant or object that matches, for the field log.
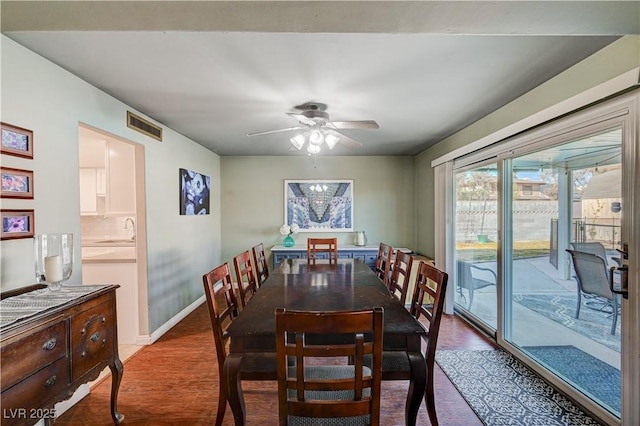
(593, 324)
(595, 378)
(503, 391)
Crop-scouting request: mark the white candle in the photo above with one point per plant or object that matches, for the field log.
(53, 268)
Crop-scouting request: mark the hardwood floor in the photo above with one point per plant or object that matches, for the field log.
(175, 382)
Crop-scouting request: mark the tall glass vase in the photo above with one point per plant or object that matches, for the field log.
(288, 241)
(53, 259)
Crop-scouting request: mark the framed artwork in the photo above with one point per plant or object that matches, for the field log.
(17, 224)
(194, 193)
(16, 141)
(16, 183)
(319, 205)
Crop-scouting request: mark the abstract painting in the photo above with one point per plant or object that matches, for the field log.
(195, 190)
(319, 205)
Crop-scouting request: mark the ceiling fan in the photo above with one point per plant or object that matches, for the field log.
(316, 128)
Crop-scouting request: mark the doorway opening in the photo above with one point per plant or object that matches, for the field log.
(113, 227)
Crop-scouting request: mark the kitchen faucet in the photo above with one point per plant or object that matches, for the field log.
(133, 227)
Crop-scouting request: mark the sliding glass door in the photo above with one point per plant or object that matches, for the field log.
(543, 223)
(476, 236)
(564, 201)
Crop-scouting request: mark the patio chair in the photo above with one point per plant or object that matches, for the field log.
(592, 279)
(594, 248)
(470, 281)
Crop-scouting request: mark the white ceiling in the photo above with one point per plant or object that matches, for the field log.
(215, 71)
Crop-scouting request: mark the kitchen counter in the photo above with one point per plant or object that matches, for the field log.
(108, 242)
(108, 254)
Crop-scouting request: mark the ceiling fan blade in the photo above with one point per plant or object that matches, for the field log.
(268, 132)
(363, 124)
(302, 118)
(347, 141)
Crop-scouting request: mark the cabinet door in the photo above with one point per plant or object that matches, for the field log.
(121, 179)
(88, 203)
(101, 182)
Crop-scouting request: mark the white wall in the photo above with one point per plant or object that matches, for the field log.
(253, 198)
(38, 95)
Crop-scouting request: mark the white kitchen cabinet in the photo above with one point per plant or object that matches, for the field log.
(92, 152)
(107, 178)
(101, 182)
(121, 191)
(88, 199)
(92, 191)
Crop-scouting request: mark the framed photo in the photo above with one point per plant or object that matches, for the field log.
(17, 224)
(16, 183)
(319, 205)
(16, 141)
(195, 189)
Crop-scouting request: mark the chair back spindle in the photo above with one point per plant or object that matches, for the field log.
(399, 278)
(245, 277)
(383, 262)
(260, 263)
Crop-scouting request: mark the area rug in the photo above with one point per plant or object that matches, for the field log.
(596, 378)
(503, 391)
(593, 324)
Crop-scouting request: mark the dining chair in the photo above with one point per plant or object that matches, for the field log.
(427, 301)
(321, 388)
(260, 262)
(223, 308)
(322, 245)
(593, 282)
(398, 282)
(383, 262)
(245, 277)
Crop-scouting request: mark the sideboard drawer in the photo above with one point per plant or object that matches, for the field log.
(21, 401)
(24, 356)
(92, 337)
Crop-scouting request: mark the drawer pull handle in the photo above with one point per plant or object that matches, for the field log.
(50, 382)
(50, 344)
(95, 336)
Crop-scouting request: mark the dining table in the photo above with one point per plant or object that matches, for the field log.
(348, 284)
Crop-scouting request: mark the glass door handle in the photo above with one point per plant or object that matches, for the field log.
(623, 273)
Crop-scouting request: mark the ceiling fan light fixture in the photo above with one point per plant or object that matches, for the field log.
(297, 141)
(313, 149)
(316, 138)
(331, 140)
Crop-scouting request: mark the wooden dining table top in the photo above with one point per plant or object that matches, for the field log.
(352, 286)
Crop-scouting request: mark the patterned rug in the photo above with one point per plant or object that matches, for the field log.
(596, 378)
(593, 324)
(503, 391)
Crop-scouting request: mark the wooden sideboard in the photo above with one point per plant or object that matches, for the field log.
(47, 356)
(365, 253)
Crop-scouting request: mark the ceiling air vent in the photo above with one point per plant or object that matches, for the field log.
(143, 126)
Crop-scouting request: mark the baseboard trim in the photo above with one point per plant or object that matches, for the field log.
(160, 331)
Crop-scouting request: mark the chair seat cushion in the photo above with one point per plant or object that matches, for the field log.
(338, 421)
(329, 372)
